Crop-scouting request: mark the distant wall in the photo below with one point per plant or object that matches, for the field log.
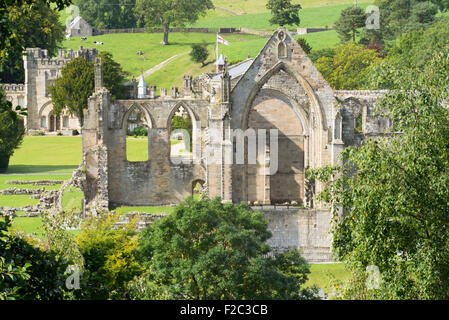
(305, 229)
(159, 30)
(311, 30)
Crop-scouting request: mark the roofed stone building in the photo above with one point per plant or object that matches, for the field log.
(41, 72)
(79, 28)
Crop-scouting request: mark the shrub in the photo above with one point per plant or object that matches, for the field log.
(210, 250)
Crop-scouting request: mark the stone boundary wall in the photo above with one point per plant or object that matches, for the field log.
(300, 31)
(22, 192)
(37, 183)
(262, 34)
(159, 30)
(299, 228)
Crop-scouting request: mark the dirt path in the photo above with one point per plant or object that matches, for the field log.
(162, 64)
(228, 11)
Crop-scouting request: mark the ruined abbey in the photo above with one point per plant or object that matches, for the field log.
(305, 124)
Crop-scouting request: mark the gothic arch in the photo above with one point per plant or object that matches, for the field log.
(314, 101)
(192, 114)
(134, 107)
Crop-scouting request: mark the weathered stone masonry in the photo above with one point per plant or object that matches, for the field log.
(281, 89)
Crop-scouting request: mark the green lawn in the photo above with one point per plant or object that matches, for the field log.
(72, 199)
(322, 275)
(46, 155)
(137, 149)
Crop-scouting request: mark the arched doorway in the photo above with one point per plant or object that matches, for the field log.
(273, 110)
(54, 122)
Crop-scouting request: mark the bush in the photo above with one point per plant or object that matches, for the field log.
(109, 257)
(199, 53)
(210, 250)
(304, 45)
(140, 132)
(34, 274)
(11, 133)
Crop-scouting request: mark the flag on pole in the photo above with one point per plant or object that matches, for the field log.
(221, 40)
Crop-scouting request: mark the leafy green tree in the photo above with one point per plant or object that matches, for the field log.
(108, 14)
(412, 50)
(199, 53)
(109, 256)
(113, 76)
(401, 16)
(9, 41)
(395, 203)
(210, 250)
(73, 88)
(284, 12)
(351, 19)
(304, 45)
(38, 27)
(348, 68)
(167, 13)
(27, 272)
(11, 130)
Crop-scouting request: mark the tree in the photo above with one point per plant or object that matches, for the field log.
(27, 272)
(351, 19)
(412, 50)
(109, 256)
(210, 250)
(38, 27)
(394, 192)
(304, 45)
(349, 67)
(9, 42)
(11, 130)
(199, 53)
(283, 12)
(166, 13)
(73, 88)
(113, 76)
(401, 16)
(108, 14)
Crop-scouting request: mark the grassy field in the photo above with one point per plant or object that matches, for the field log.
(259, 6)
(322, 275)
(320, 13)
(124, 47)
(47, 155)
(310, 17)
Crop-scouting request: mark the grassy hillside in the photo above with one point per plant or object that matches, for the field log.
(310, 17)
(124, 47)
(259, 6)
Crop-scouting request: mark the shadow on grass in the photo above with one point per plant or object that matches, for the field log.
(44, 169)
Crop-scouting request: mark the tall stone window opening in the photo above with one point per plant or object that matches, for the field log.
(197, 189)
(137, 140)
(272, 110)
(44, 122)
(181, 134)
(65, 122)
(282, 50)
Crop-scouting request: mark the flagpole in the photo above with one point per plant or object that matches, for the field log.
(216, 48)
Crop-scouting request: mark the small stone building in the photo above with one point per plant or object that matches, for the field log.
(79, 28)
